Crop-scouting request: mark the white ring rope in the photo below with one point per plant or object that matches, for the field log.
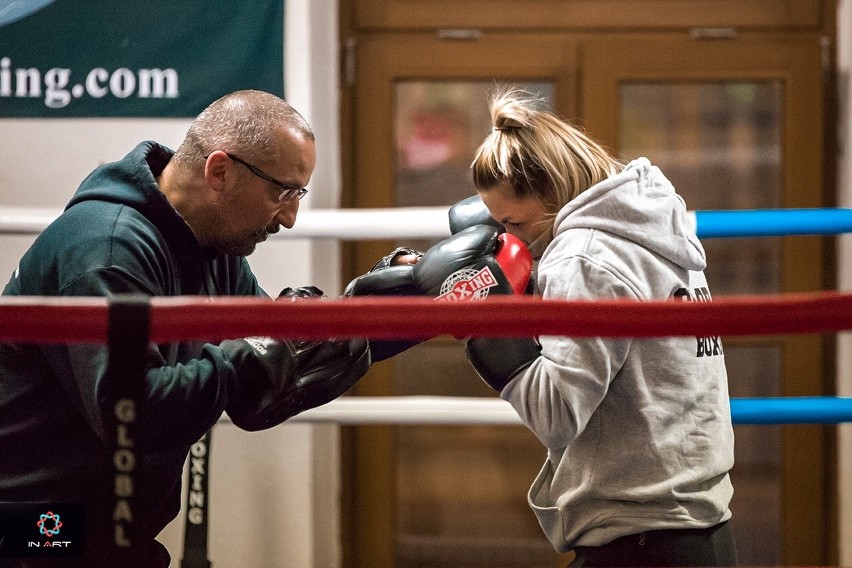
(339, 224)
(436, 410)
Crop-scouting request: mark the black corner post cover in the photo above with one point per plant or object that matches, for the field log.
(124, 387)
(197, 505)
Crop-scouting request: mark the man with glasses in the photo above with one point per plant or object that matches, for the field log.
(163, 223)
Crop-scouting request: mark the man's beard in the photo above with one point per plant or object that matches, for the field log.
(246, 245)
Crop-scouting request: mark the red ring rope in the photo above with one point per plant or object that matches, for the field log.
(80, 320)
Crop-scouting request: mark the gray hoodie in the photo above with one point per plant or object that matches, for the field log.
(638, 431)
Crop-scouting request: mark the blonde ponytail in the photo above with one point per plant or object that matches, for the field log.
(537, 153)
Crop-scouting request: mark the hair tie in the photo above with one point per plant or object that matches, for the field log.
(506, 124)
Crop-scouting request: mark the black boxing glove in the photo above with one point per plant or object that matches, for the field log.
(279, 378)
(495, 359)
(498, 359)
(470, 212)
(301, 293)
(467, 266)
(387, 260)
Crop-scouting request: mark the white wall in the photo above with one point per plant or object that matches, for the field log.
(44, 161)
(844, 352)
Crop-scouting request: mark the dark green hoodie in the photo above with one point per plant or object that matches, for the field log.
(118, 234)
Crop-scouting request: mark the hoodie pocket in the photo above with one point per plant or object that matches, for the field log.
(548, 514)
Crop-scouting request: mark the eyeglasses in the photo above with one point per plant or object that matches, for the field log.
(287, 192)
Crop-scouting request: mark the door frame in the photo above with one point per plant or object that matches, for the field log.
(586, 71)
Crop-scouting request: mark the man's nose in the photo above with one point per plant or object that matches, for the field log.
(286, 216)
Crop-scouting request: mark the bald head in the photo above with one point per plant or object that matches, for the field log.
(227, 176)
(247, 123)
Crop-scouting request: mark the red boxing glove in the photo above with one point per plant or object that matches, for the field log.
(505, 271)
(515, 259)
(469, 265)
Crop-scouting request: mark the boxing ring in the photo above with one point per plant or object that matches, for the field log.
(39, 320)
(45, 320)
(163, 320)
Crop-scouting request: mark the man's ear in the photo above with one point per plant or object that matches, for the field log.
(217, 169)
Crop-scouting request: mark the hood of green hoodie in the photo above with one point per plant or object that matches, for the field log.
(132, 181)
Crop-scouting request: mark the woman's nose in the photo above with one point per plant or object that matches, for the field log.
(514, 232)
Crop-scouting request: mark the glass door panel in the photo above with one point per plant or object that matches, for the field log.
(719, 143)
(735, 123)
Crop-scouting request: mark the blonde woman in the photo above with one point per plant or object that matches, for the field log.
(638, 431)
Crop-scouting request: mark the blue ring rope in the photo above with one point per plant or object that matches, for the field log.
(773, 222)
(799, 410)
(769, 223)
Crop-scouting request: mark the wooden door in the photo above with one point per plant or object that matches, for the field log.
(453, 496)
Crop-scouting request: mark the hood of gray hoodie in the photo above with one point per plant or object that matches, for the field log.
(638, 204)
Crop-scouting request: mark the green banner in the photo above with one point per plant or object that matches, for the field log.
(157, 58)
